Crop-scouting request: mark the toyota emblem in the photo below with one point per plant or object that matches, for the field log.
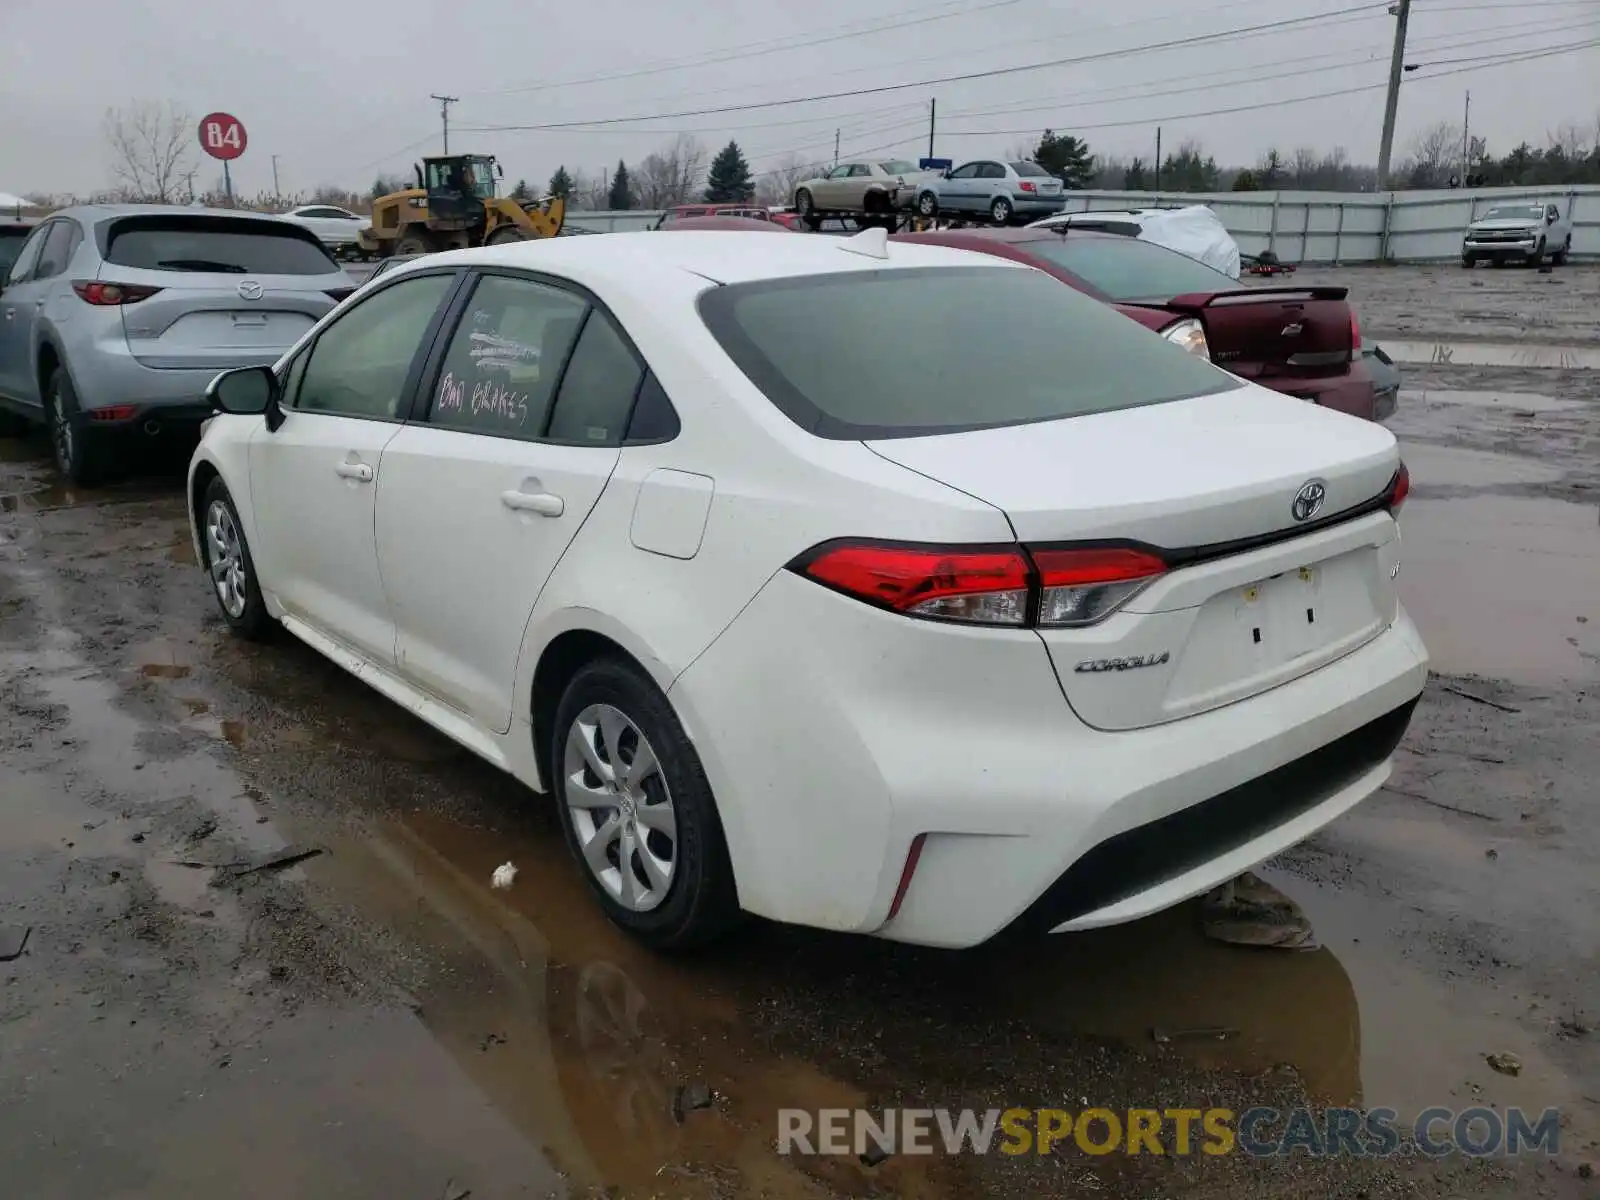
(249, 290)
(1308, 500)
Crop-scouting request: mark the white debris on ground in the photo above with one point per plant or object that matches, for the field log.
(503, 875)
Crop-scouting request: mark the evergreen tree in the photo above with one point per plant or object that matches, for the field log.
(621, 194)
(1246, 181)
(1133, 179)
(728, 180)
(1066, 157)
(521, 192)
(561, 183)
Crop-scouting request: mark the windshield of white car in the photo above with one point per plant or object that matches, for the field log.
(220, 245)
(1030, 170)
(903, 353)
(898, 167)
(1128, 270)
(1514, 212)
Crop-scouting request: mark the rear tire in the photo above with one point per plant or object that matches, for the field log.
(1000, 211)
(225, 555)
(1559, 258)
(81, 456)
(412, 243)
(1468, 261)
(927, 205)
(505, 235)
(673, 888)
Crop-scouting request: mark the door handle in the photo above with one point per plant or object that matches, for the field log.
(545, 504)
(360, 472)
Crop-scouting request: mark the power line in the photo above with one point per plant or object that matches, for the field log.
(892, 23)
(992, 73)
(1526, 56)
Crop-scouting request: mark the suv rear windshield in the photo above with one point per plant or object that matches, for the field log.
(216, 244)
(1127, 269)
(899, 353)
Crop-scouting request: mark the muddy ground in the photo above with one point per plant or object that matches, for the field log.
(375, 1021)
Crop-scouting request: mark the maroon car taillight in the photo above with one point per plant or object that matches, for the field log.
(1014, 586)
(1399, 489)
(1355, 336)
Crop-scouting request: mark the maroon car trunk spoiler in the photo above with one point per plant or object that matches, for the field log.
(1195, 301)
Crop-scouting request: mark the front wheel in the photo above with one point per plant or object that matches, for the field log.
(637, 810)
(1000, 210)
(505, 235)
(411, 243)
(1537, 257)
(1468, 261)
(927, 205)
(1559, 258)
(226, 558)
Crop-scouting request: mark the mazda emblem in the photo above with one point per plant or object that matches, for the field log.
(1308, 500)
(249, 290)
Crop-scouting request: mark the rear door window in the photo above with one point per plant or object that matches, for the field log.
(598, 387)
(217, 245)
(506, 357)
(59, 246)
(991, 170)
(974, 348)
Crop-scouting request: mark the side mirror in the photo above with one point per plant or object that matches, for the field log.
(499, 170)
(243, 391)
(945, 174)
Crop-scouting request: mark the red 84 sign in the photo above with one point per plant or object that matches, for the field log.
(222, 136)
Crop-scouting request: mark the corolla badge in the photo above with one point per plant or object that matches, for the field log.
(1093, 666)
(250, 290)
(1308, 500)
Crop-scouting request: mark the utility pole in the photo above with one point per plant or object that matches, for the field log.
(1402, 14)
(1158, 158)
(933, 113)
(275, 192)
(444, 114)
(836, 147)
(1466, 140)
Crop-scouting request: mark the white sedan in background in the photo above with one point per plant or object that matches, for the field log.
(338, 228)
(1034, 620)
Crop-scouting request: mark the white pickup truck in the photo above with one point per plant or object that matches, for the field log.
(1524, 230)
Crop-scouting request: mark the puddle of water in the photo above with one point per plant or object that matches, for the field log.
(1498, 584)
(1509, 402)
(163, 659)
(1450, 466)
(1494, 354)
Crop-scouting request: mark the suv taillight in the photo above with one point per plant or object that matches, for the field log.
(1015, 586)
(93, 291)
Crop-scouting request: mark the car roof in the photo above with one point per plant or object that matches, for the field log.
(718, 256)
(103, 212)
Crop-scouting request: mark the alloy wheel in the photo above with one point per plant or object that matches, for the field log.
(621, 807)
(225, 559)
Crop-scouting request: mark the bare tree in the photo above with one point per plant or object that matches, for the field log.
(1433, 152)
(776, 186)
(671, 175)
(151, 147)
(1571, 139)
(1306, 162)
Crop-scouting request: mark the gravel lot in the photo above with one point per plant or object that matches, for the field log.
(374, 1021)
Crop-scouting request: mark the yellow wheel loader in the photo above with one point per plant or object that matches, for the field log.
(453, 206)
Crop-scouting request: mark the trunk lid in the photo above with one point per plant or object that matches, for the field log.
(1254, 599)
(1260, 332)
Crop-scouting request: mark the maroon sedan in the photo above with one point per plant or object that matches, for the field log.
(1301, 341)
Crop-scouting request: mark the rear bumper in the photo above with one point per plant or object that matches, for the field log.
(1369, 389)
(109, 376)
(1037, 206)
(888, 730)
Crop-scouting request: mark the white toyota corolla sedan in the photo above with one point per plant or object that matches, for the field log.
(870, 586)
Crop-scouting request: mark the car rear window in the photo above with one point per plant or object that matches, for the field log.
(1129, 270)
(11, 239)
(1030, 170)
(900, 353)
(216, 245)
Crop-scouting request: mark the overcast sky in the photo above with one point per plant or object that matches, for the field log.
(338, 89)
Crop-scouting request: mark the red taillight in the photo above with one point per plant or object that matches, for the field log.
(340, 293)
(987, 585)
(1355, 335)
(116, 412)
(92, 291)
(910, 869)
(1025, 186)
(1080, 586)
(1399, 489)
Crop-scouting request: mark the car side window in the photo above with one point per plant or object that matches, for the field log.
(58, 247)
(858, 170)
(839, 172)
(654, 419)
(359, 364)
(970, 171)
(991, 171)
(598, 387)
(29, 254)
(505, 358)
